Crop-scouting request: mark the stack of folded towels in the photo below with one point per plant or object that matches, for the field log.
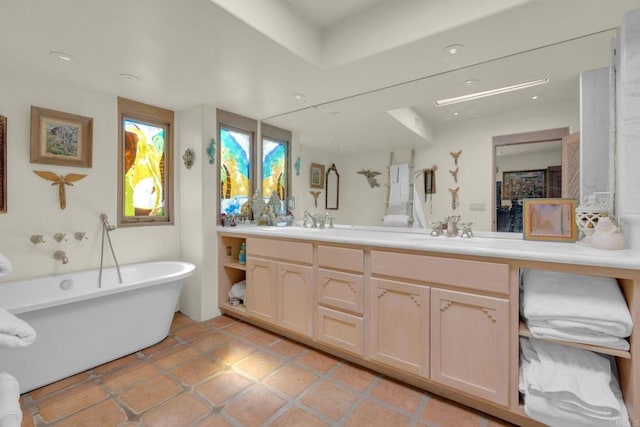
(576, 308)
(10, 412)
(565, 386)
(15, 332)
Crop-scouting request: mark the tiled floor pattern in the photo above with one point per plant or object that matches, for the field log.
(224, 372)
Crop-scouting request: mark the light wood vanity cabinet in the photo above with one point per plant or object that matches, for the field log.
(340, 298)
(280, 284)
(463, 340)
(399, 325)
(445, 323)
(470, 343)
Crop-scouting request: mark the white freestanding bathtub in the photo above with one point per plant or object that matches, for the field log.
(80, 326)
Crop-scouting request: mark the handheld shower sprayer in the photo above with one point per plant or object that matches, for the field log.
(106, 228)
(105, 223)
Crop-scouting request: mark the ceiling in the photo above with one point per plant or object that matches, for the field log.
(251, 56)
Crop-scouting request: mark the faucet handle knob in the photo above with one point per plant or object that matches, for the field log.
(37, 238)
(80, 236)
(59, 237)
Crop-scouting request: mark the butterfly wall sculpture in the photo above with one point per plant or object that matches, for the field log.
(61, 180)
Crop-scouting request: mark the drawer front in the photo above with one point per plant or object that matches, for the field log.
(341, 258)
(280, 249)
(340, 290)
(340, 330)
(484, 276)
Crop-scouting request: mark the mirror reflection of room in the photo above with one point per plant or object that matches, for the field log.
(371, 126)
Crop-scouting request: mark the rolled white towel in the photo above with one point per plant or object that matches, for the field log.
(396, 220)
(5, 267)
(10, 412)
(15, 332)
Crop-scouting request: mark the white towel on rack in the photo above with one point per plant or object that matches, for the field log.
(566, 386)
(575, 303)
(15, 332)
(10, 412)
(398, 184)
(5, 267)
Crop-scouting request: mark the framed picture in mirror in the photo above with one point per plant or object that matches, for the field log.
(316, 179)
(525, 184)
(550, 219)
(3, 164)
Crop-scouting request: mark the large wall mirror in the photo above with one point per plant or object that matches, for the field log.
(3, 164)
(360, 132)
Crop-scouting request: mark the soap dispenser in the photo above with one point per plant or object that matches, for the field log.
(242, 254)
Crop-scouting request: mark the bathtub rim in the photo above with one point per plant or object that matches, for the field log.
(186, 269)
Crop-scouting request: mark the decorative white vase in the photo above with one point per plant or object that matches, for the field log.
(607, 235)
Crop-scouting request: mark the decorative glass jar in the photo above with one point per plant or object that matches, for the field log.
(589, 213)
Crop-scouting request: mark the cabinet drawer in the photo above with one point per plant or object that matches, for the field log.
(280, 249)
(340, 330)
(340, 290)
(484, 276)
(341, 258)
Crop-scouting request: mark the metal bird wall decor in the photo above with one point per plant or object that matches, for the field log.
(61, 181)
(454, 173)
(371, 177)
(454, 197)
(455, 156)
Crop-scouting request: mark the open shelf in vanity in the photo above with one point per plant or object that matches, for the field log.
(524, 332)
(231, 270)
(626, 361)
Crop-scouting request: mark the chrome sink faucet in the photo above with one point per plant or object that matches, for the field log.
(314, 223)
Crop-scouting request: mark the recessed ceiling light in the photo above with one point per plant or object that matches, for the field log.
(128, 77)
(471, 82)
(478, 95)
(453, 49)
(534, 97)
(455, 113)
(63, 56)
(300, 97)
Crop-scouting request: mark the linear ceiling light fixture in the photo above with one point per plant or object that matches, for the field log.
(478, 95)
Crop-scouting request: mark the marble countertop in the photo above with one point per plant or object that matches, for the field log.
(499, 245)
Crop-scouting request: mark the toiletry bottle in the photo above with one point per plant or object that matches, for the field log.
(242, 255)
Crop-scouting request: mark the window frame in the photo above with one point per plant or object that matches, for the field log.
(155, 116)
(282, 136)
(236, 123)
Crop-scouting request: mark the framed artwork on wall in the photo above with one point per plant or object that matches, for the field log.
(316, 179)
(3, 164)
(60, 138)
(550, 219)
(526, 184)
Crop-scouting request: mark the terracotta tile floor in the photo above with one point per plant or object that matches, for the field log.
(225, 372)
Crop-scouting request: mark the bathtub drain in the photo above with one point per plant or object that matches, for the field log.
(66, 284)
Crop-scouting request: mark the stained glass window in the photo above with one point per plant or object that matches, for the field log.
(274, 167)
(145, 163)
(235, 167)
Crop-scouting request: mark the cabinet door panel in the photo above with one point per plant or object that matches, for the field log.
(295, 298)
(261, 289)
(470, 343)
(340, 290)
(400, 325)
(341, 330)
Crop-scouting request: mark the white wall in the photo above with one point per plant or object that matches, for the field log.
(33, 204)
(361, 204)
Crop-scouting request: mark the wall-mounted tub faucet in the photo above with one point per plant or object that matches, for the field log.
(59, 255)
(37, 238)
